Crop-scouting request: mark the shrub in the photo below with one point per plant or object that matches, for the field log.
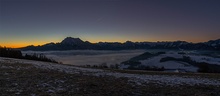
(148, 68)
(132, 63)
(181, 53)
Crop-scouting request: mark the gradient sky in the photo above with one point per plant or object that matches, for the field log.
(36, 22)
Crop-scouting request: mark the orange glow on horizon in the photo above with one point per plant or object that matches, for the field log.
(18, 45)
(92, 40)
(37, 44)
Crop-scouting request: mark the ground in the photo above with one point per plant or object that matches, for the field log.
(32, 78)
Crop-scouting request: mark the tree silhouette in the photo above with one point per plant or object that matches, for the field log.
(12, 53)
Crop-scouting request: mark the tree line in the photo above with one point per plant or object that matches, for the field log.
(12, 53)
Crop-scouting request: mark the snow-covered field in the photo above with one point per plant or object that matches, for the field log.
(210, 60)
(173, 80)
(89, 57)
(174, 65)
(155, 61)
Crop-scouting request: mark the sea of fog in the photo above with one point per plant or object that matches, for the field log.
(97, 57)
(89, 57)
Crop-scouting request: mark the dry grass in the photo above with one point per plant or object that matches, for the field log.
(200, 75)
(25, 79)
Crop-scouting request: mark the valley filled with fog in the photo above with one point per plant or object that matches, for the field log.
(89, 57)
(154, 60)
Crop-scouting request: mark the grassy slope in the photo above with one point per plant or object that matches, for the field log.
(25, 79)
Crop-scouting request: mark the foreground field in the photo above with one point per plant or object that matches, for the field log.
(24, 77)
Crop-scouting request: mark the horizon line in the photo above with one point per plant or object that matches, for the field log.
(21, 46)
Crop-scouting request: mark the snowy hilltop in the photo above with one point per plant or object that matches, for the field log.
(176, 61)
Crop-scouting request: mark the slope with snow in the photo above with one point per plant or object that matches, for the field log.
(210, 60)
(172, 80)
(176, 65)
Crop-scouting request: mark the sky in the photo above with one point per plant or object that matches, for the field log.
(36, 22)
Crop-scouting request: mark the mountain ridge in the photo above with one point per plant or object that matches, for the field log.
(70, 43)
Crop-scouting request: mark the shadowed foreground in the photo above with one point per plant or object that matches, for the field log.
(27, 79)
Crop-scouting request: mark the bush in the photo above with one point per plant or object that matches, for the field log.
(181, 53)
(131, 63)
(116, 66)
(148, 68)
(159, 53)
(103, 65)
(203, 68)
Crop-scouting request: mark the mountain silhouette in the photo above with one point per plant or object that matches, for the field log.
(70, 43)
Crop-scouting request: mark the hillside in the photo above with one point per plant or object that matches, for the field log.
(175, 61)
(70, 43)
(25, 77)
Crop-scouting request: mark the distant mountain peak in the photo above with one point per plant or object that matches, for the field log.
(213, 42)
(71, 38)
(71, 41)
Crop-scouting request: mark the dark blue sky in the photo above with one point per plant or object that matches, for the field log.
(26, 22)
